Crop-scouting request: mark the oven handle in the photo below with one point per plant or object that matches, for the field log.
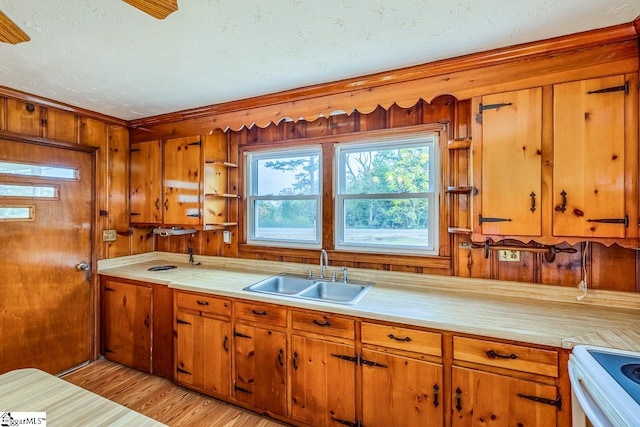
(582, 402)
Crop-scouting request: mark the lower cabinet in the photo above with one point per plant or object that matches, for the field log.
(203, 343)
(126, 323)
(323, 382)
(136, 319)
(486, 399)
(260, 349)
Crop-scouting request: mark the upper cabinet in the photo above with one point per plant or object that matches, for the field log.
(165, 182)
(591, 165)
(511, 163)
(558, 163)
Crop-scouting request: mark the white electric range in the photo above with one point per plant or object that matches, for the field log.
(605, 386)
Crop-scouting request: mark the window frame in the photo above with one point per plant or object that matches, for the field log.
(251, 181)
(432, 140)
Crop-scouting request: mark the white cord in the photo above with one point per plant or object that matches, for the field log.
(583, 285)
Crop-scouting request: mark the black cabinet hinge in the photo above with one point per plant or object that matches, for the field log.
(195, 215)
(359, 360)
(108, 350)
(182, 322)
(104, 213)
(357, 423)
(183, 371)
(43, 122)
(239, 335)
(133, 150)
(624, 87)
(624, 220)
(195, 143)
(482, 219)
(241, 390)
(484, 107)
(553, 402)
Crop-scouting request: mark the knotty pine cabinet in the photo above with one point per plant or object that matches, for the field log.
(165, 182)
(135, 317)
(219, 196)
(324, 366)
(315, 368)
(203, 343)
(521, 391)
(31, 119)
(260, 350)
(558, 163)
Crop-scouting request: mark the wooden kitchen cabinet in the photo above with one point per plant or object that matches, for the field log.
(136, 324)
(502, 384)
(260, 375)
(558, 163)
(511, 156)
(165, 182)
(487, 399)
(145, 182)
(595, 158)
(323, 370)
(31, 119)
(126, 323)
(203, 343)
(219, 197)
(398, 387)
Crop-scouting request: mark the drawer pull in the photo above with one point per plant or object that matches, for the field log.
(493, 355)
(436, 391)
(202, 302)
(225, 344)
(281, 357)
(405, 339)
(295, 360)
(321, 324)
(459, 399)
(259, 312)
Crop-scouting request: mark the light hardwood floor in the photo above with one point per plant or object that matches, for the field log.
(161, 399)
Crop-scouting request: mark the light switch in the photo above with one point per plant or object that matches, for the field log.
(226, 236)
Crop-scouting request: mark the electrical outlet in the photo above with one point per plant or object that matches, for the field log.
(109, 235)
(509, 256)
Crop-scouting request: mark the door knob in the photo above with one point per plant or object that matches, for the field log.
(83, 267)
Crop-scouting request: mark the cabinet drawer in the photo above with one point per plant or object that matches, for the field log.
(203, 303)
(262, 313)
(402, 338)
(509, 356)
(324, 323)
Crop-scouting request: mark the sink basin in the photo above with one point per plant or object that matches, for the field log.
(294, 286)
(282, 284)
(336, 292)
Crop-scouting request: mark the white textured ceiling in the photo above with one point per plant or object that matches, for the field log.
(106, 56)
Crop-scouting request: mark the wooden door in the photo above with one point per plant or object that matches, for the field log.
(512, 163)
(589, 158)
(485, 399)
(399, 391)
(126, 323)
(182, 183)
(322, 382)
(260, 368)
(202, 354)
(145, 182)
(45, 302)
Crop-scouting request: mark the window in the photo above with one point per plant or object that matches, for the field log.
(386, 197)
(42, 171)
(29, 191)
(17, 213)
(284, 197)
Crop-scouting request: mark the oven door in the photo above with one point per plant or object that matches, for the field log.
(582, 403)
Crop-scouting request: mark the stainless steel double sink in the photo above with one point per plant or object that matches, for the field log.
(294, 286)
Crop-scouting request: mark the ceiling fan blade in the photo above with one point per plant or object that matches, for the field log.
(157, 8)
(10, 32)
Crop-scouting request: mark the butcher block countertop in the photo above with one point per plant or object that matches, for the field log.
(529, 313)
(65, 404)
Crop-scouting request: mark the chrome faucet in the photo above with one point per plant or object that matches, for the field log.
(324, 262)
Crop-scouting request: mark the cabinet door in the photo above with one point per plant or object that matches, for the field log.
(260, 368)
(61, 125)
(181, 181)
(126, 324)
(511, 163)
(399, 391)
(203, 359)
(485, 399)
(589, 158)
(145, 182)
(322, 382)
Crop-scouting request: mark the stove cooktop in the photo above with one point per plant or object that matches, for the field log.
(624, 369)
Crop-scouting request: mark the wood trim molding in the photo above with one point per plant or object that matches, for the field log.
(46, 102)
(19, 137)
(636, 25)
(320, 99)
